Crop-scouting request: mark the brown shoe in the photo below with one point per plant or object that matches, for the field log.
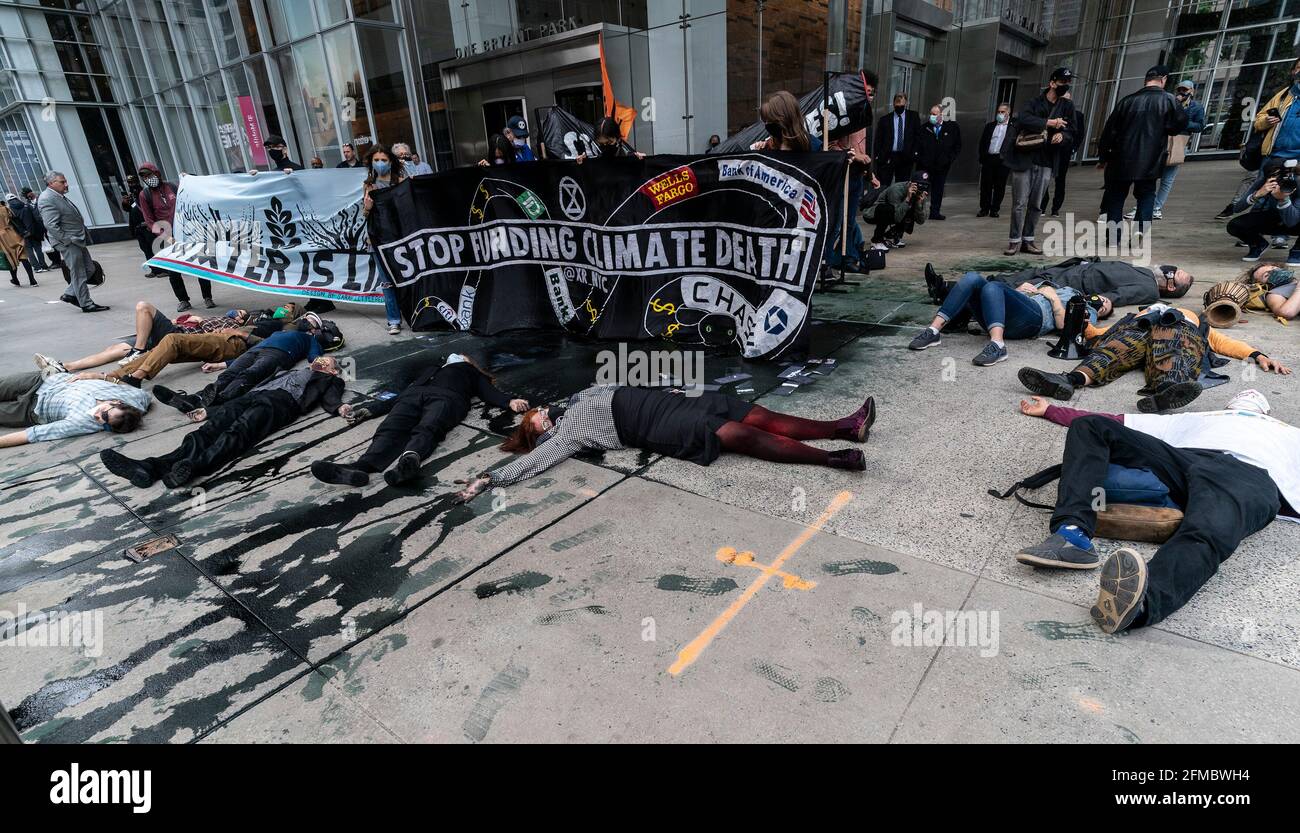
(1030, 249)
(1013, 249)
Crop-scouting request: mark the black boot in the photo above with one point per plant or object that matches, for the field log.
(847, 458)
(339, 475)
(406, 469)
(1169, 396)
(139, 473)
(1055, 385)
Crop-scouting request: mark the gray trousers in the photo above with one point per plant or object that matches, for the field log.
(18, 399)
(80, 267)
(1027, 189)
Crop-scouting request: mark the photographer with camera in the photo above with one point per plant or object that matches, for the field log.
(1269, 208)
(898, 209)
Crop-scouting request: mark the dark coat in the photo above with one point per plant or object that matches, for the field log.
(987, 136)
(1033, 118)
(936, 153)
(1125, 284)
(883, 148)
(1134, 141)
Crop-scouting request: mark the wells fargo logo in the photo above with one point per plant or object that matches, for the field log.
(675, 185)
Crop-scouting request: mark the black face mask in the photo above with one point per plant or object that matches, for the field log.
(1062, 89)
(900, 108)
(276, 154)
(774, 129)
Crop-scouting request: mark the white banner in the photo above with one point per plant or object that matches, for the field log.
(302, 234)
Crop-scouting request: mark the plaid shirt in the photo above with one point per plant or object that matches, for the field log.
(588, 422)
(63, 406)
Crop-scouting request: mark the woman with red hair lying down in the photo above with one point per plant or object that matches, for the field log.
(695, 428)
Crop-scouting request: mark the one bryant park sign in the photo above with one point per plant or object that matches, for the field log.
(518, 36)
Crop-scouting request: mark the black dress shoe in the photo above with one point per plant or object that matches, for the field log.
(1055, 385)
(140, 475)
(68, 299)
(164, 394)
(406, 469)
(938, 217)
(933, 284)
(93, 307)
(339, 475)
(983, 212)
(993, 214)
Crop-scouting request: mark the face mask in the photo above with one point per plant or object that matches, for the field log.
(1280, 277)
(498, 161)
(276, 153)
(1001, 117)
(1249, 400)
(1062, 89)
(151, 182)
(774, 130)
(382, 168)
(934, 119)
(455, 358)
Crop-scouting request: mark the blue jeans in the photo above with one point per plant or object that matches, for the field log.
(994, 304)
(1166, 185)
(857, 185)
(392, 309)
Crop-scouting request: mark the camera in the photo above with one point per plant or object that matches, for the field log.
(1096, 302)
(1274, 112)
(1286, 178)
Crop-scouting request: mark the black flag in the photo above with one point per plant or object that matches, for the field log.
(850, 111)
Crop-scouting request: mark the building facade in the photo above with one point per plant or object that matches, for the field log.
(95, 87)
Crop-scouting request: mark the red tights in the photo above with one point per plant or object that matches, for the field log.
(775, 437)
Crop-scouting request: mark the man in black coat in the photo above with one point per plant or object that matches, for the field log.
(1058, 185)
(1125, 284)
(993, 174)
(1132, 149)
(896, 137)
(938, 147)
(1032, 168)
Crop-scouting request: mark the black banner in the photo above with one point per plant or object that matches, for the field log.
(850, 111)
(566, 136)
(716, 250)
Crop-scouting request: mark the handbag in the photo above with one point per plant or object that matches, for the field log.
(875, 260)
(1177, 149)
(1033, 141)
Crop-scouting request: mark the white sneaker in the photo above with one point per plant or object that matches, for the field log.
(1281, 241)
(48, 366)
(130, 357)
(1158, 215)
(1131, 214)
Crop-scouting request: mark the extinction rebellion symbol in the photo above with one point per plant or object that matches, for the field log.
(572, 201)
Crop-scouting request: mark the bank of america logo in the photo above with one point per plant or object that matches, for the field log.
(808, 207)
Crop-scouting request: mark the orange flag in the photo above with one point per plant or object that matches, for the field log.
(625, 116)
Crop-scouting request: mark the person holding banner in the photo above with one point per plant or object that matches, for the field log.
(785, 125)
(694, 428)
(157, 201)
(417, 421)
(610, 141)
(381, 174)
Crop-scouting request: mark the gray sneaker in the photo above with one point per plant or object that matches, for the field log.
(1122, 595)
(991, 354)
(926, 338)
(1059, 553)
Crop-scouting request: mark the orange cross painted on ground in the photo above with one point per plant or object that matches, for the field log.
(728, 555)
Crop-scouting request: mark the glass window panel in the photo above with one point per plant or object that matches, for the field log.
(331, 12)
(313, 89)
(345, 74)
(385, 69)
(264, 98)
(289, 19)
(383, 10)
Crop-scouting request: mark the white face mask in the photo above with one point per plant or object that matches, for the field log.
(1249, 400)
(455, 358)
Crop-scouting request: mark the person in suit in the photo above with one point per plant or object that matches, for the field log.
(993, 174)
(66, 228)
(895, 143)
(938, 147)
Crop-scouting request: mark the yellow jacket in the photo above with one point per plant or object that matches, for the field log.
(1219, 343)
(1281, 101)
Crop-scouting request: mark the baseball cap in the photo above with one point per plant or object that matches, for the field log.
(1185, 83)
(518, 126)
(1062, 74)
(1158, 71)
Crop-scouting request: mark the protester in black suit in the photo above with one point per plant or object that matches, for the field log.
(993, 174)
(938, 147)
(896, 138)
(1067, 151)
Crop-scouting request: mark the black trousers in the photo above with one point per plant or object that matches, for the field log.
(886, 230)
(230, 432)
(1251, 227)
(938, 179)
(420, 419)
(892, 171)
(993, 185)
(1058, 190)
(248, 371)
(1112, 204)
(1223, 501)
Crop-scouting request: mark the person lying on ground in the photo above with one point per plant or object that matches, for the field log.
(1281, 298)
(151, 327)
(416, 421)
(1231, 471)
(694, 428)
(1029, 310)
(231, 430)
(1125, 284)
(1171, 345)
(53, 407)
(279, 351)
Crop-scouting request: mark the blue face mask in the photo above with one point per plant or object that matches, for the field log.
(382, 168)
(1280, 277)
(1001, 117)
(934, 119)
